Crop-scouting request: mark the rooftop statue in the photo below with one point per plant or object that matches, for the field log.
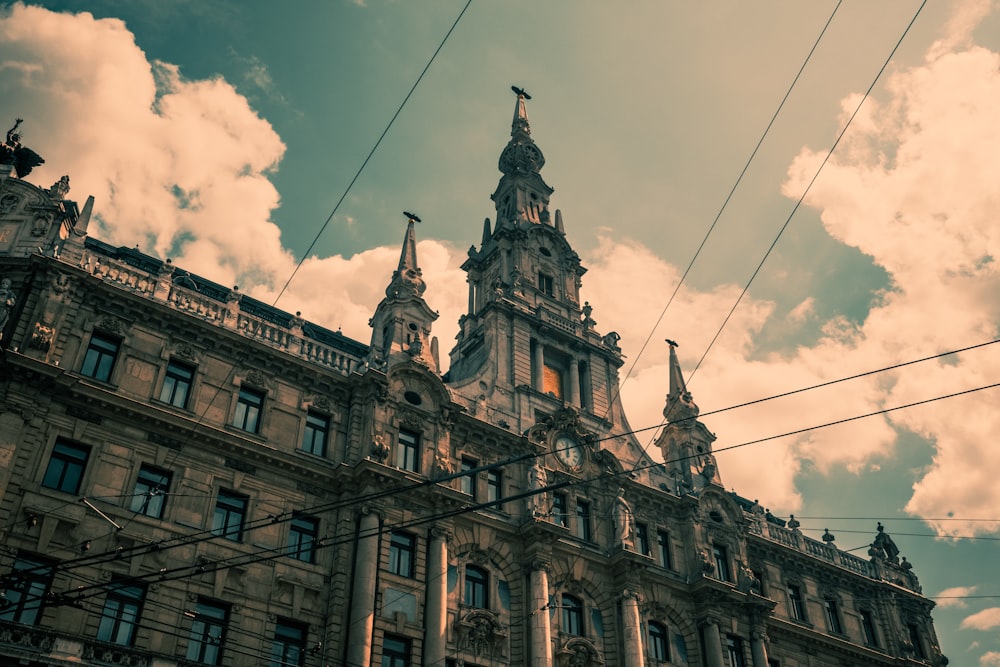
(12, 152)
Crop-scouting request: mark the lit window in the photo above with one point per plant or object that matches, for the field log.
(559, 511)
(289, 646)
(663, 546)
(552, 381)
(151, 487)
(658, 642)
(583, 520)
(302, 538)
(468, 480)
(30, 580)
(735, 647)
(230, 512)
(317, 432)
(642, 539)
(395, 652)
(406, 452)
(868, 627)
(833, 616)
(402, 547)
(177, 384)
(795, 603)
(100, 358)
(248, 410)
(494, 485)
(120, 617)
(476, 580)
(207, 632)
(65, 469)
(572, 616)
(721, 562)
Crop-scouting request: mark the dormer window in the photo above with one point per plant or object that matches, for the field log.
(546, 284)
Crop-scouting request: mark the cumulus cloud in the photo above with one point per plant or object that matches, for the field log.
(990, 659)
(983, 620)
(952, 597)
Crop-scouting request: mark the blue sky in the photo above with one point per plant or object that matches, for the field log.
(222, 134)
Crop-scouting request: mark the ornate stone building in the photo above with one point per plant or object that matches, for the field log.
(190, 476)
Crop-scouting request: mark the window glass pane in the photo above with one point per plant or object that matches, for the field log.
(65, 469)
(30, 579)
(583, 520)
(395, 652)
(572, 615)
(552, 381)
(407, 450)
(494, 480)
(721, 562)
(302, 539)
(401, 551)
(207, 632)
(100, 357)
(316, 433)
(289, 644)
(230, 511)
(120, 616)
(151, 487)
(658, 642)
(248, 407)
(177, 384)
(663, 545)
(468, 482)
(475, 587)
(559, 509)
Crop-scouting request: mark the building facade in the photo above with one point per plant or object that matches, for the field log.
(190, 476)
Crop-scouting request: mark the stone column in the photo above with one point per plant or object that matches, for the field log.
(541, 631)
(574, 383)
(713, 643)
(436, 613)
(634, 655)
(359, 647)
(758, 646)
(539, 364)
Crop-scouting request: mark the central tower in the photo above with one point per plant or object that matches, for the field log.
(527, 347)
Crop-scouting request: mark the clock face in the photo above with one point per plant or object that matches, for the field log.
(568, 451)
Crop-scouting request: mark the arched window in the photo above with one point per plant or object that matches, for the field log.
(658, 646)
(476, 579)
(572, 616)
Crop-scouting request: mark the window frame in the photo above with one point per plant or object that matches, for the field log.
(408, 450)
(101, 356)
(796, 602)
(249, 413)
(402, 554)
(174, 381)
(831, 609)
(203, 647)
(26, 602)
(659, 643)
(152, 500)
(303, 538)
(121, 613)
(72, 459)
(397, 655)
(546, 284)
(868, 627)
(494, 487)
(315, 433)
(664, 549)
(642, 538)
(734, 647)
(572, 615)
(477, 586)
(560, 509)
(227, 505)
(583, 518)
(286, 641)
(467, 483)
(720, 554)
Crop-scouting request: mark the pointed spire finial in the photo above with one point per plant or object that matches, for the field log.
(680, 404)
(407, 280)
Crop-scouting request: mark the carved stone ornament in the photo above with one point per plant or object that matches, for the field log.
(40, 225)
(111, 325)
(321, 403)
(481, 634)
(380, 450)
(186, 352)
(256, 377)
(578, 652)
(565, 420)
(8, 203)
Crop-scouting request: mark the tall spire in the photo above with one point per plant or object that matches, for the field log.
(521, 155)
(407, 280)
(680, 404)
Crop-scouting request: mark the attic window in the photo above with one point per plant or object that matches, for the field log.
(715, 516)
(412, 397)
(545, 251)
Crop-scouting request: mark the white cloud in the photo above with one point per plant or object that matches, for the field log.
(983, 620)
(952, 597)
(990, 659)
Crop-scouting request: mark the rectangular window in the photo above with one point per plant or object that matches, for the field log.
(918, 645)
(289, 647)
(30, 580)
(833, 617)
(151, 487)
(494, 485)
(476, 585)
(572, 616)
(658, 646)
(207, 632)
(65, 470)
(120, 617)
(545, 283)
(663, 547)
(868, 627)
(642, 539)
(734, 645)
(177, 384)
(468, 481)
(795, 603)
(230, 512)
(302, 535)
(721, 562)
(402, 548)
(100, 358)
(583, 520)
(395, 652)
(407, 451)
(559, 509)
(552, 381)
(317, 432)
(248, 410)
